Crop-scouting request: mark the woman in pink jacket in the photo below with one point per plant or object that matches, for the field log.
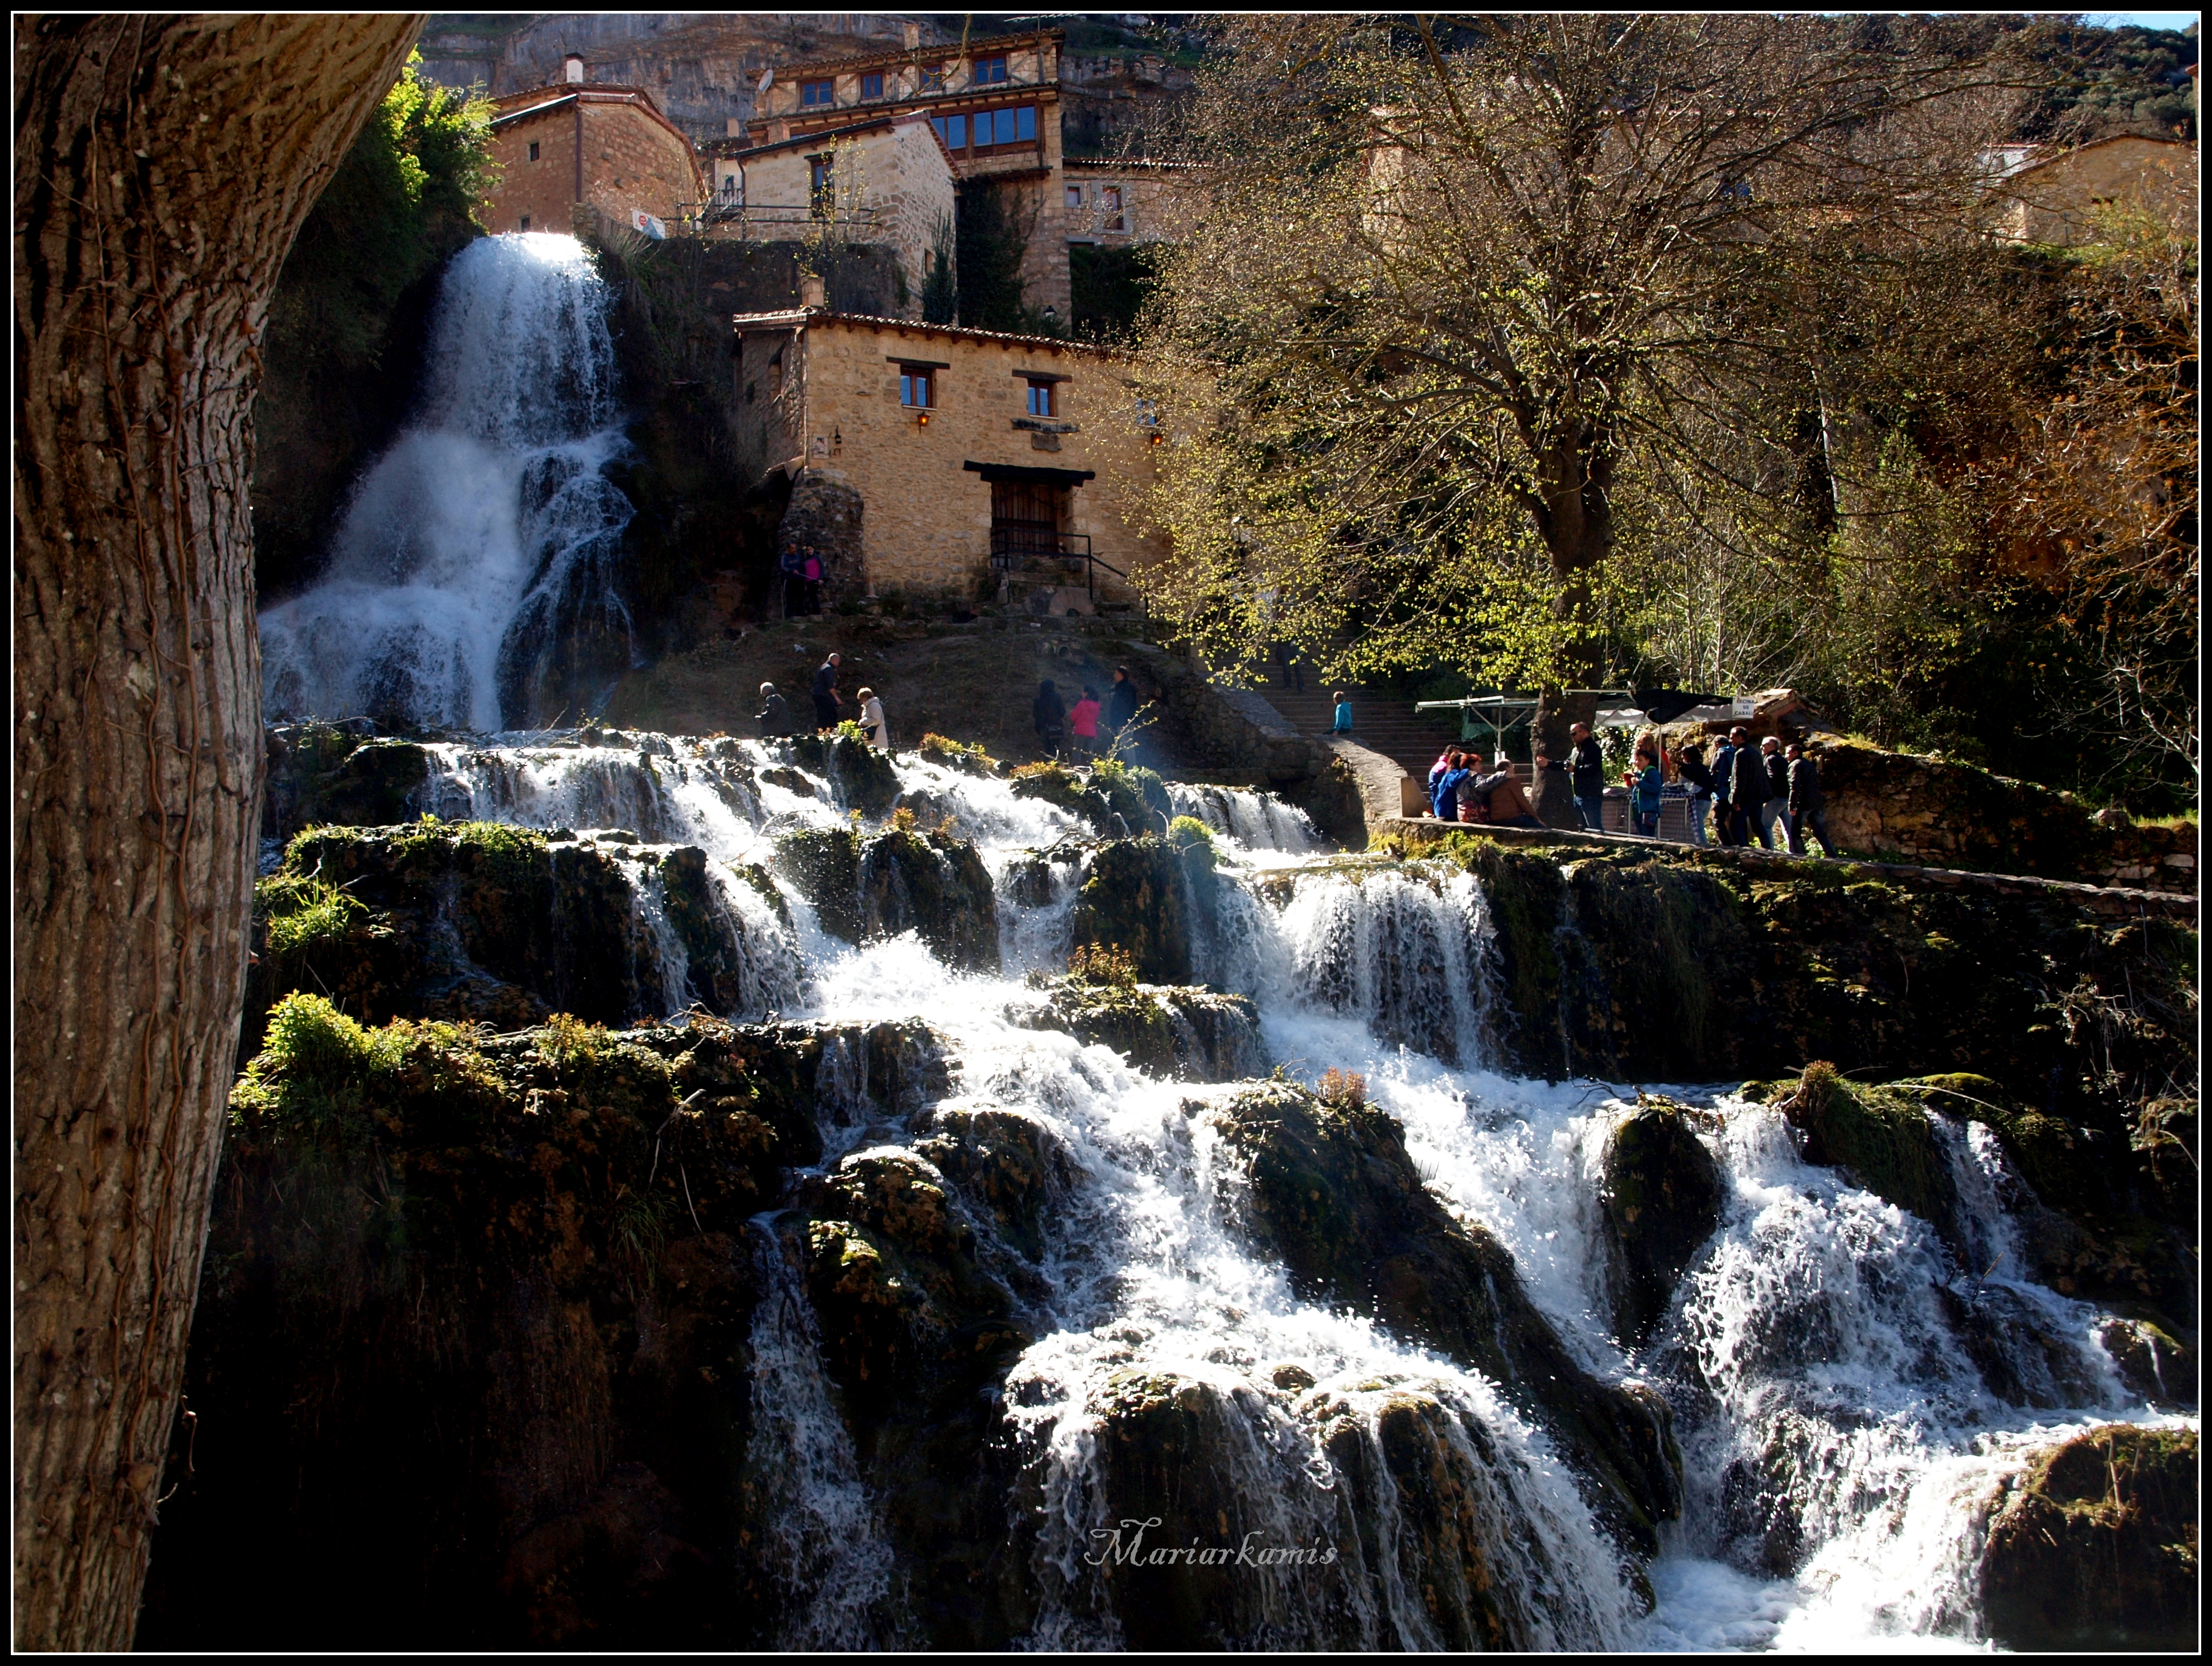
(1083, 723)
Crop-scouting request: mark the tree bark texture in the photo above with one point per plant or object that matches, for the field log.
(162, 167)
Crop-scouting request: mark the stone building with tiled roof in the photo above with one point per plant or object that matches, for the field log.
(581, 141)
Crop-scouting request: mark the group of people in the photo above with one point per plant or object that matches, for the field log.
(775, 715)
(1460, 790)
(1768, 795)
(1075, 731)
(803, 566)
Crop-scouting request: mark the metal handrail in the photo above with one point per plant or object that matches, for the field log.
(1015, 545)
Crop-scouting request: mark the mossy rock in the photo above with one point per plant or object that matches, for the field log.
(934, 884)
(1011, 1168)
(1056, 784)
(1332, 1193)
(1193, 1034)
(473, 1331)
(968, 759)
(2096, 1548)
(1661, 1199)
(1135, 794)
(863, 777)
(823, 864)
(1881, 1136)
(473, 920)
(1134, 900)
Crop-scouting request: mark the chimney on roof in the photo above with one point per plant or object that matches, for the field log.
(913, 36)
(573, 68)
(812, 292)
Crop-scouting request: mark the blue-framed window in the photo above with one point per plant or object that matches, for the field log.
(1016, 125)
(953, 129)
(917, 387)
(933, 77)
(1041, 400)
(989, 70)
(812, 93)
(872, 86)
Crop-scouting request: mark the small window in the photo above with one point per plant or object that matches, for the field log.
(871, 87)
(1075, 197)
(524, 225)
(1041, 400)
(533, 150)
(1109, 204)
(953, 129)
(731, 191)
(821, 187)
(990, 70)
(917, 387)
(933, 77)
(812, 92)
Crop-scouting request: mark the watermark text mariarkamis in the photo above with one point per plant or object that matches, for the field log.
(1125, 1546)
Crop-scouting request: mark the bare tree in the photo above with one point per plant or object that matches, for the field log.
(162, 167)
(1458, 280)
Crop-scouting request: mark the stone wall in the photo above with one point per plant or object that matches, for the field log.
(897, 174)
(1929, 810)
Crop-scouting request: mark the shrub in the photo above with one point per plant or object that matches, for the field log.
(306, 912)
(1187, 832)
(1346, 1090)
(903, 819)
(312, 1072)
(1106, 964)
(956, 755)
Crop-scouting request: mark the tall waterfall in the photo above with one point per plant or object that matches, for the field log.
(473, 581)
(1850, 1384)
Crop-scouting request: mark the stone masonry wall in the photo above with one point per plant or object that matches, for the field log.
(631, 162)
(929, 522)
(1926, 810)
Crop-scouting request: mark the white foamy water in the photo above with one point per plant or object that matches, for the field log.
(482, 546)
(1852, 1386)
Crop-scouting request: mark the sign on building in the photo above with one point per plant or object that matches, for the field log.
(649, 224)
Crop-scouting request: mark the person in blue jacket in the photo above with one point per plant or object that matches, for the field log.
(1343, 715)
(1445, 801)
(1645, 785)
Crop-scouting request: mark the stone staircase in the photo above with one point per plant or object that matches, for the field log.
(1382, 723)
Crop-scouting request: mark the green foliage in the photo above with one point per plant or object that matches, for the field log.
(1186, 833)
(403, 199)
(1105, 964)
(968, 758)
(990, 249)
(940, 290)
(306, 912)
(1109, 287)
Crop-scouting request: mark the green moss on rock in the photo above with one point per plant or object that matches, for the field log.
(1134, 899)
(2096, 1548)
(863, 777)
(1881, 1135)
(1661, 1199)
(1190, 1033)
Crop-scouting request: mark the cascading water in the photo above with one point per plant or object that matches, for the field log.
(474, 580)
(1850, 1384)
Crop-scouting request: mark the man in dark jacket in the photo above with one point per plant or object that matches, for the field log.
(825, 695)
(1049, 717)
(774, 716)
(1773, 815)
(1806, 804)
(1586, 771)
(1690, 765)
(1121, 703)
(1747, 791)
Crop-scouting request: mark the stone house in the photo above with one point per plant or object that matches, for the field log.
(584, 142)
(953, 463)
(885, 180)
(2049, 195)
(1114, 203)
(996, 106)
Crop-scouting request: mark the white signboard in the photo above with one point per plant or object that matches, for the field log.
(646, 223)
(1743, 706)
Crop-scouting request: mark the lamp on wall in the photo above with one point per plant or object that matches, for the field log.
(921, 419)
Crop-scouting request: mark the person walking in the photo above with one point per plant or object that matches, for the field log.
(1121, 703)
(1586, 772)
(1083, 724)
(787, 601)
(1690, 766)
(1807, 802)
(775, 715)
(1645, 785)
(1774, 814)
(1723, 774)
(1343, 715)
(1747, 794)
(827, 706)
(872, 721)
(1049, 716)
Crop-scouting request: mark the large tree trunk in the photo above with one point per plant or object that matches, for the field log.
(162, 167)
(1574, 516)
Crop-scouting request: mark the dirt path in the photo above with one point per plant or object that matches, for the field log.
(974, 683)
